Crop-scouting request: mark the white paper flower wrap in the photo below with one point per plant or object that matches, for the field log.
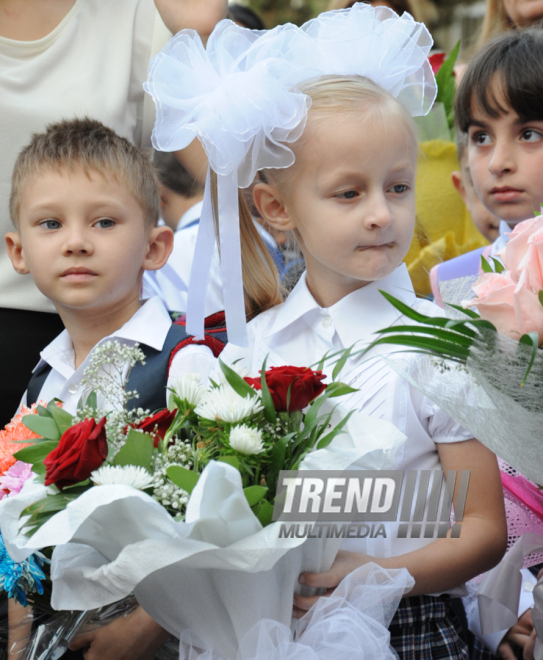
(239, 97)
(217, 574)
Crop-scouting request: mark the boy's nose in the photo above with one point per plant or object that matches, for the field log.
(78, 243)
(502, 159)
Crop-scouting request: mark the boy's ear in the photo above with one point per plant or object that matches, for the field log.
(15, 253)
(456, 178)
(271, 207)
(159, 248)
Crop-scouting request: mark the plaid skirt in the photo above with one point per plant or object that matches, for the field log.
(426, 628)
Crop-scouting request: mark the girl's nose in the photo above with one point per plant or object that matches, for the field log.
(378, 214)
(502, 159)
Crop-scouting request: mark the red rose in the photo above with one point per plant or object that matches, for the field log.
(157, 425)
(81, 449)
(306, 386)
(436, 61)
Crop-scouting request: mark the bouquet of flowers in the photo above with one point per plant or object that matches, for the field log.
(485, 367)
(190, 489)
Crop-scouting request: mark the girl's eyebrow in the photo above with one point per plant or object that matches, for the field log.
(478, 122)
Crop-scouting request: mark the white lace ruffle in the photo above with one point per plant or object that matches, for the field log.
(239, 95)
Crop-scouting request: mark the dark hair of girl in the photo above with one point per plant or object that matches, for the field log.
(508, 72)
(245, 16)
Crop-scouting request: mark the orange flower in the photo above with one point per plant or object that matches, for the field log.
(15, 431)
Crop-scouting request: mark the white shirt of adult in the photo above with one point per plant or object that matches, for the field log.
(93, 64)
(148, 327)
(299, 332)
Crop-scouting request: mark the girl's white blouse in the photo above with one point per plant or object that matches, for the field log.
(299, 332)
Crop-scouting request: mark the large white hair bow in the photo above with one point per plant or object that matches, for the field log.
(239, 98)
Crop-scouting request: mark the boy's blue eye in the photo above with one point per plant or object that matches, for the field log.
(105, 223)
(348, 194)
(50, 224)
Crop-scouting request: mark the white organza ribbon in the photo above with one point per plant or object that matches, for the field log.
(239, 98)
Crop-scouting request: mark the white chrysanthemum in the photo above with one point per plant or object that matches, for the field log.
(246, 440)
(127, 475)
(224, 404)
(189, 389)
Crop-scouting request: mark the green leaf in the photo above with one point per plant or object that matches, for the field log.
(530, 339)
(92, 401)
(137, 450)
(467, 311)
(39, 468)
(485, 266)
(267, 400)
(183, 478)
(438, 347)
(56, 502)
(265, 512)
(341, 362)
(432, 331)
(338, 388)
(324, 442)
(446, 85)
(37, 452)
(540, 296)
(254, 494)
(43, 426)
(62, 418)
(229, 460)
(43, 411)
(237, 383)
(498, 266)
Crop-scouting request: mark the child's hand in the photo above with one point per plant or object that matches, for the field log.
(132, 637)
(517, 635)
(344, 563)
(199, 15)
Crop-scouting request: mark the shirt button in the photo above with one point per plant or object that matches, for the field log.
(528, 586)
(73, 388)
(326, 321)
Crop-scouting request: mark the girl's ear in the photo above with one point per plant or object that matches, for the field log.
(271, 207)
(159, 248)
(15, 253)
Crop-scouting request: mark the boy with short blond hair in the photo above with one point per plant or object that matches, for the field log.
(85, 206)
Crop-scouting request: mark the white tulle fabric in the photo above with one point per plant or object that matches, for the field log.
(352, 624)
(239, 97)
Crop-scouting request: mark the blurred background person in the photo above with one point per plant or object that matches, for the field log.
(503, 15)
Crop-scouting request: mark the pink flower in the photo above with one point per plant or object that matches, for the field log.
(513, 307)
(514, 254)
(13, 480)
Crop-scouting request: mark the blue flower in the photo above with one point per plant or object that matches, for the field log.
(23, 578)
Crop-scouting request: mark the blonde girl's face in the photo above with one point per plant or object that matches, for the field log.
(350, 199)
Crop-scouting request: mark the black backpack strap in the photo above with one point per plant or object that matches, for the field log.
(36, 382)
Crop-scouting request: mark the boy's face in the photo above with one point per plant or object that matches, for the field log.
(84, 239)
(505, 157)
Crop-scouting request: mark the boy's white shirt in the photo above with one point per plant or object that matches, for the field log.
(149, 326)
(299, 332)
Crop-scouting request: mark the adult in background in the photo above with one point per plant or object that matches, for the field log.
(503, 15)
(61, 59)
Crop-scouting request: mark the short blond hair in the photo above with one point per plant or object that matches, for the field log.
(87, 144)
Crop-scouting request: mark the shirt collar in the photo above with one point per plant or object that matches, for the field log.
(149, 325)
(356, 316)
(191, 215)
